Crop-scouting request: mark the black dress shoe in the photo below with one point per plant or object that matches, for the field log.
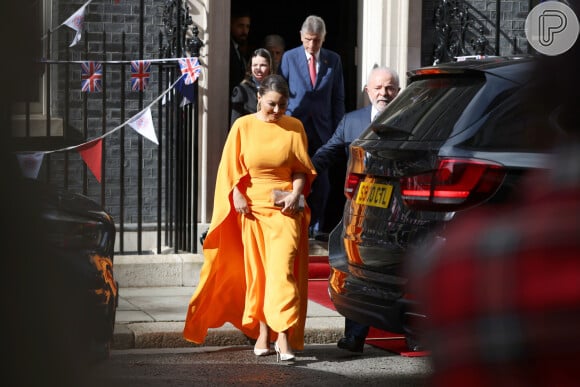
(351, 344)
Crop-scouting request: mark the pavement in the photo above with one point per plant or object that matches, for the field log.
(154, 293)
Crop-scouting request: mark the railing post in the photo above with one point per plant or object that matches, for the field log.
(182, 140)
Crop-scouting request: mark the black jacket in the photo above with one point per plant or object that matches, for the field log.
(244, 100)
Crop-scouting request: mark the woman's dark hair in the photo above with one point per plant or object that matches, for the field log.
(274, 82)
(258, 52)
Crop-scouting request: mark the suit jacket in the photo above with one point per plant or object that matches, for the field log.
(321, 107)
(349, 129)
(244, 100)
(237, 67)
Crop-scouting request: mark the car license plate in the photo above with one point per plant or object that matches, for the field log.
(374, 194)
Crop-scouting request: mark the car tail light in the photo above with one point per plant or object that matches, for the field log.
(69, 231)
(350, 184)
(456, 184)
(438, 71)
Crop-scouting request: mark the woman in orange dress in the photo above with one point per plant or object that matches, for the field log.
(255, 273)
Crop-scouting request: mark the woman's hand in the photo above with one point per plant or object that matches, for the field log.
(240, 202)
(292, 200)
(291, 203)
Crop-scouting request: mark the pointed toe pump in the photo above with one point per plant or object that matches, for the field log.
(261, 351)
(282, 356)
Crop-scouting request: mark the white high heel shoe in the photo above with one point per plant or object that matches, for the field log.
(261, 351)
(282, 356)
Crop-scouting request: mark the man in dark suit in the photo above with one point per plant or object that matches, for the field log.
(316, 99)
(239, 30)
(382, 87)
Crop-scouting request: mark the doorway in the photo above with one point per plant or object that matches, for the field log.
(341, 26)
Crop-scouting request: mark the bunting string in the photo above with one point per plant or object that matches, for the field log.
(160, 60)
(91, 74)
(74, 147)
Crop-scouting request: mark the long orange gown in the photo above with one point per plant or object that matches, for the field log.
(256, 266)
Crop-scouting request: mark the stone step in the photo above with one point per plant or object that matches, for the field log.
(160, 270)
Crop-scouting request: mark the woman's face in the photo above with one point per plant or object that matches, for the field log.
(272, 105)
(260, 68)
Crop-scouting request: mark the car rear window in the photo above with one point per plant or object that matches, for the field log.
(427, 109)
(515, 124)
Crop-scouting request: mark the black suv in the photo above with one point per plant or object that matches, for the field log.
(458, 136)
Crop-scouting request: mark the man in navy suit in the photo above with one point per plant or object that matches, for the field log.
(382, 87)
(239, 29)
(317, 100)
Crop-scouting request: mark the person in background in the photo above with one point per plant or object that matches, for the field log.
(255, 273)
(276, 45)
(501, 290)
(239, 30)
(244, 98)
(381, 88)
(316, 81)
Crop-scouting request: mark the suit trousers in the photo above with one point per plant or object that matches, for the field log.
(355, 329)
(335, 200)
(317, 200)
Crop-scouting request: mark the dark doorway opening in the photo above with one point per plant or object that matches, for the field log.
(341, 26)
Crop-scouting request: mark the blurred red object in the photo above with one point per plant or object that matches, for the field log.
(502, 292)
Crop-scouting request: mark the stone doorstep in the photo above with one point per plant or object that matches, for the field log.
(170, 269)
(157, 270)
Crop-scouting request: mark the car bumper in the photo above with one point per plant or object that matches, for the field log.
(385, 310)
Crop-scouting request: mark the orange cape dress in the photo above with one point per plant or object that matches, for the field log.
(257, 157)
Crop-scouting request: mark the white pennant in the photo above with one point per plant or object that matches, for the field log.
(76, 22)
(30, 163)
(143, 124)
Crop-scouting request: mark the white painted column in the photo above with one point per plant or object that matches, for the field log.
(213, 21)
(389, 35)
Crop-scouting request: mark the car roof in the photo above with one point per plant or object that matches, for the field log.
(515, 68)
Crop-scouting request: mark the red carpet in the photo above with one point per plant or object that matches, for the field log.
(318, 267)
(318, 272)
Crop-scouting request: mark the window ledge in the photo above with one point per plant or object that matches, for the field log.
(37, 126)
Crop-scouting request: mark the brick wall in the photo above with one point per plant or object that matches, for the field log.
(106, 22)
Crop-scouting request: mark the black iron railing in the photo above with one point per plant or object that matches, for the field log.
(150, 189)
(460, 30)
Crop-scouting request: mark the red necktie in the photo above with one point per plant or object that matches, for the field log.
(312, 69)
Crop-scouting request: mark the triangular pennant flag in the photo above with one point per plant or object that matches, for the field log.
(76, 22)
(30, 163)
(143, 124)
(92, 154)
(187, 91)
(168, 95)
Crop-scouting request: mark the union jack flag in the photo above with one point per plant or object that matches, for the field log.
(140, 72)
(191, 68)
(91, 76)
